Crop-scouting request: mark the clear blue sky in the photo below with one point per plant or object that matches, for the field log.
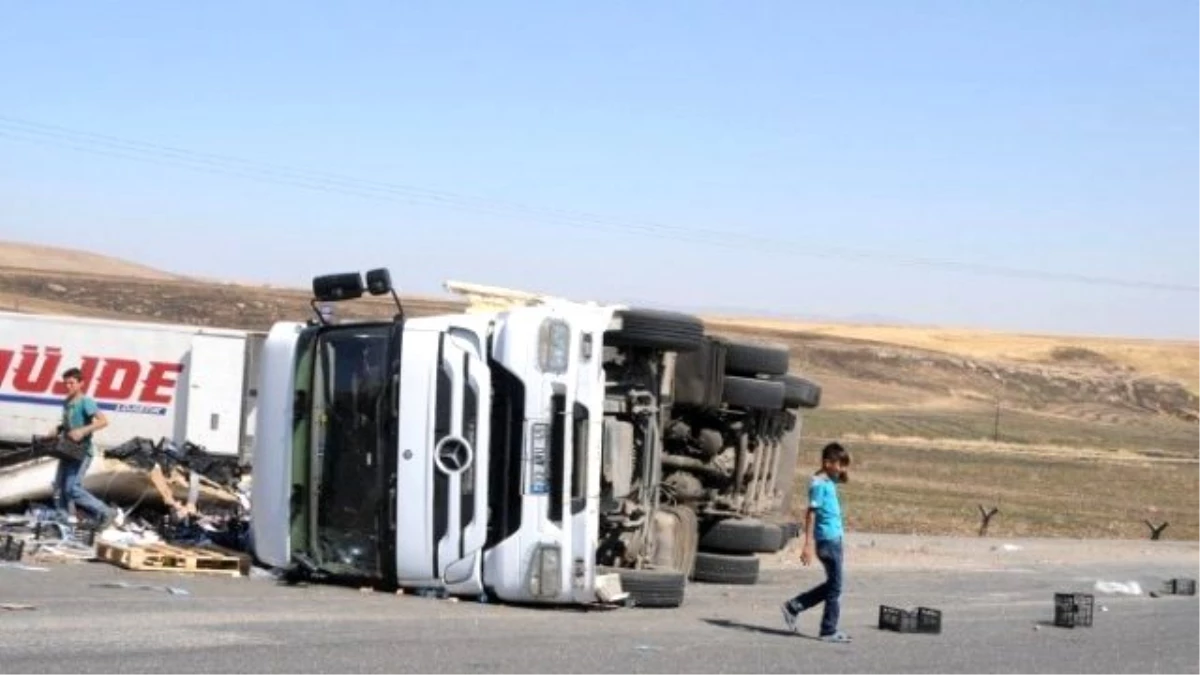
(1051, 136)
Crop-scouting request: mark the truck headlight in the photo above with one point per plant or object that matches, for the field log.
(554, 346)
(545, 574)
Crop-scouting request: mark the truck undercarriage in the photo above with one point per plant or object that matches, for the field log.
(731, 449)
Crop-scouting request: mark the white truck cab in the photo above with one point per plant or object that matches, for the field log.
(471, 453)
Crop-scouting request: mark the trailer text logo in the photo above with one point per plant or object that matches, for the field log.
(119, 385)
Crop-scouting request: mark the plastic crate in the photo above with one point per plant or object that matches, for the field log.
(61, 448)
(11, 550)
(1182, 586)
(929, 620)
(896, 619)
(1073, 610)
(923, 620)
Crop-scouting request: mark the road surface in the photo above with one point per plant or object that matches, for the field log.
(997, 608)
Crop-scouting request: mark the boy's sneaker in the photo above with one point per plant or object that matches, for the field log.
(789, 617)
(115, 518)
(836, 637)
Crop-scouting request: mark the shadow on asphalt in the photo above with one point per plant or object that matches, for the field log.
(751, 628)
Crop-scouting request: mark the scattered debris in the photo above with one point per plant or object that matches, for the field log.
(1118, 588)
(173, 590)
(1010, 548)
(22, 567)
(260, 573)
(221, 470)
(185, 497)
(12, 606)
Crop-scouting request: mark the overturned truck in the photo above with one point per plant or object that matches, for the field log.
(518, 451)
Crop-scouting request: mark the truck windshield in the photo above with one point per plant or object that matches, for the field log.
(349, 385)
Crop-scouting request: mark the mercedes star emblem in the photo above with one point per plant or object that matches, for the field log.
(453, 455)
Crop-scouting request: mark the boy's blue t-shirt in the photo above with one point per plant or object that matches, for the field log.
(78, 413)
(823, 500)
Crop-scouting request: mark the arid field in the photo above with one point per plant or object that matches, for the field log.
(1068, 436)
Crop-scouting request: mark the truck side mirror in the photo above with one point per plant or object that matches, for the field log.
(379, 281)
(335, 287)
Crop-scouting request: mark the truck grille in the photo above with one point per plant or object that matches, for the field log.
(458, 423)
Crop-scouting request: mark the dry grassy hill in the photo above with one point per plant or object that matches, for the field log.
(36, 257)
(1094, 434)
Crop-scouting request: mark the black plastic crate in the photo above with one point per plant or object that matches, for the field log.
(1182, 586)
(1073, 610)
(929, 620)
(896, 619)
(65, 448)
(923, 620)
(11, 549)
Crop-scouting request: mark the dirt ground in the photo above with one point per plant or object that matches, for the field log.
(871, 551)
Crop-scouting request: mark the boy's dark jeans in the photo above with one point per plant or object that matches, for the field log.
(829, 592)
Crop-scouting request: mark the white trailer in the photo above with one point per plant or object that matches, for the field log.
(185, 383)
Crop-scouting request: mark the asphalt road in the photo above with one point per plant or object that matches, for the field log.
(996, 619)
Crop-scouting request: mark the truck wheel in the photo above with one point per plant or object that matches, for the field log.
(800, 393)
(748, 392)
(689, 541)
(746, 358)
(651, 588)
(723, 568)
(652, 329)
(742, 535)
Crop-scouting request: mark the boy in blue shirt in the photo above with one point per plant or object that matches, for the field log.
(81, 417)
(823, 526)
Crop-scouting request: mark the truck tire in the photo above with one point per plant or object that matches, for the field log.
(800, 393)
(748, 392)
(747, 358)
(724, 568)
(742, 535)
(650, 588)
(689, 542)
(652, 329)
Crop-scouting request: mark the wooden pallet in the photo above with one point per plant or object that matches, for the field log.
(167, 558)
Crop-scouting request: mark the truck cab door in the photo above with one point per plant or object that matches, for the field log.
(271, 515)
(216, 374)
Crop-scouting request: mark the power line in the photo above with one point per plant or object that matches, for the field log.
(21, 130)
